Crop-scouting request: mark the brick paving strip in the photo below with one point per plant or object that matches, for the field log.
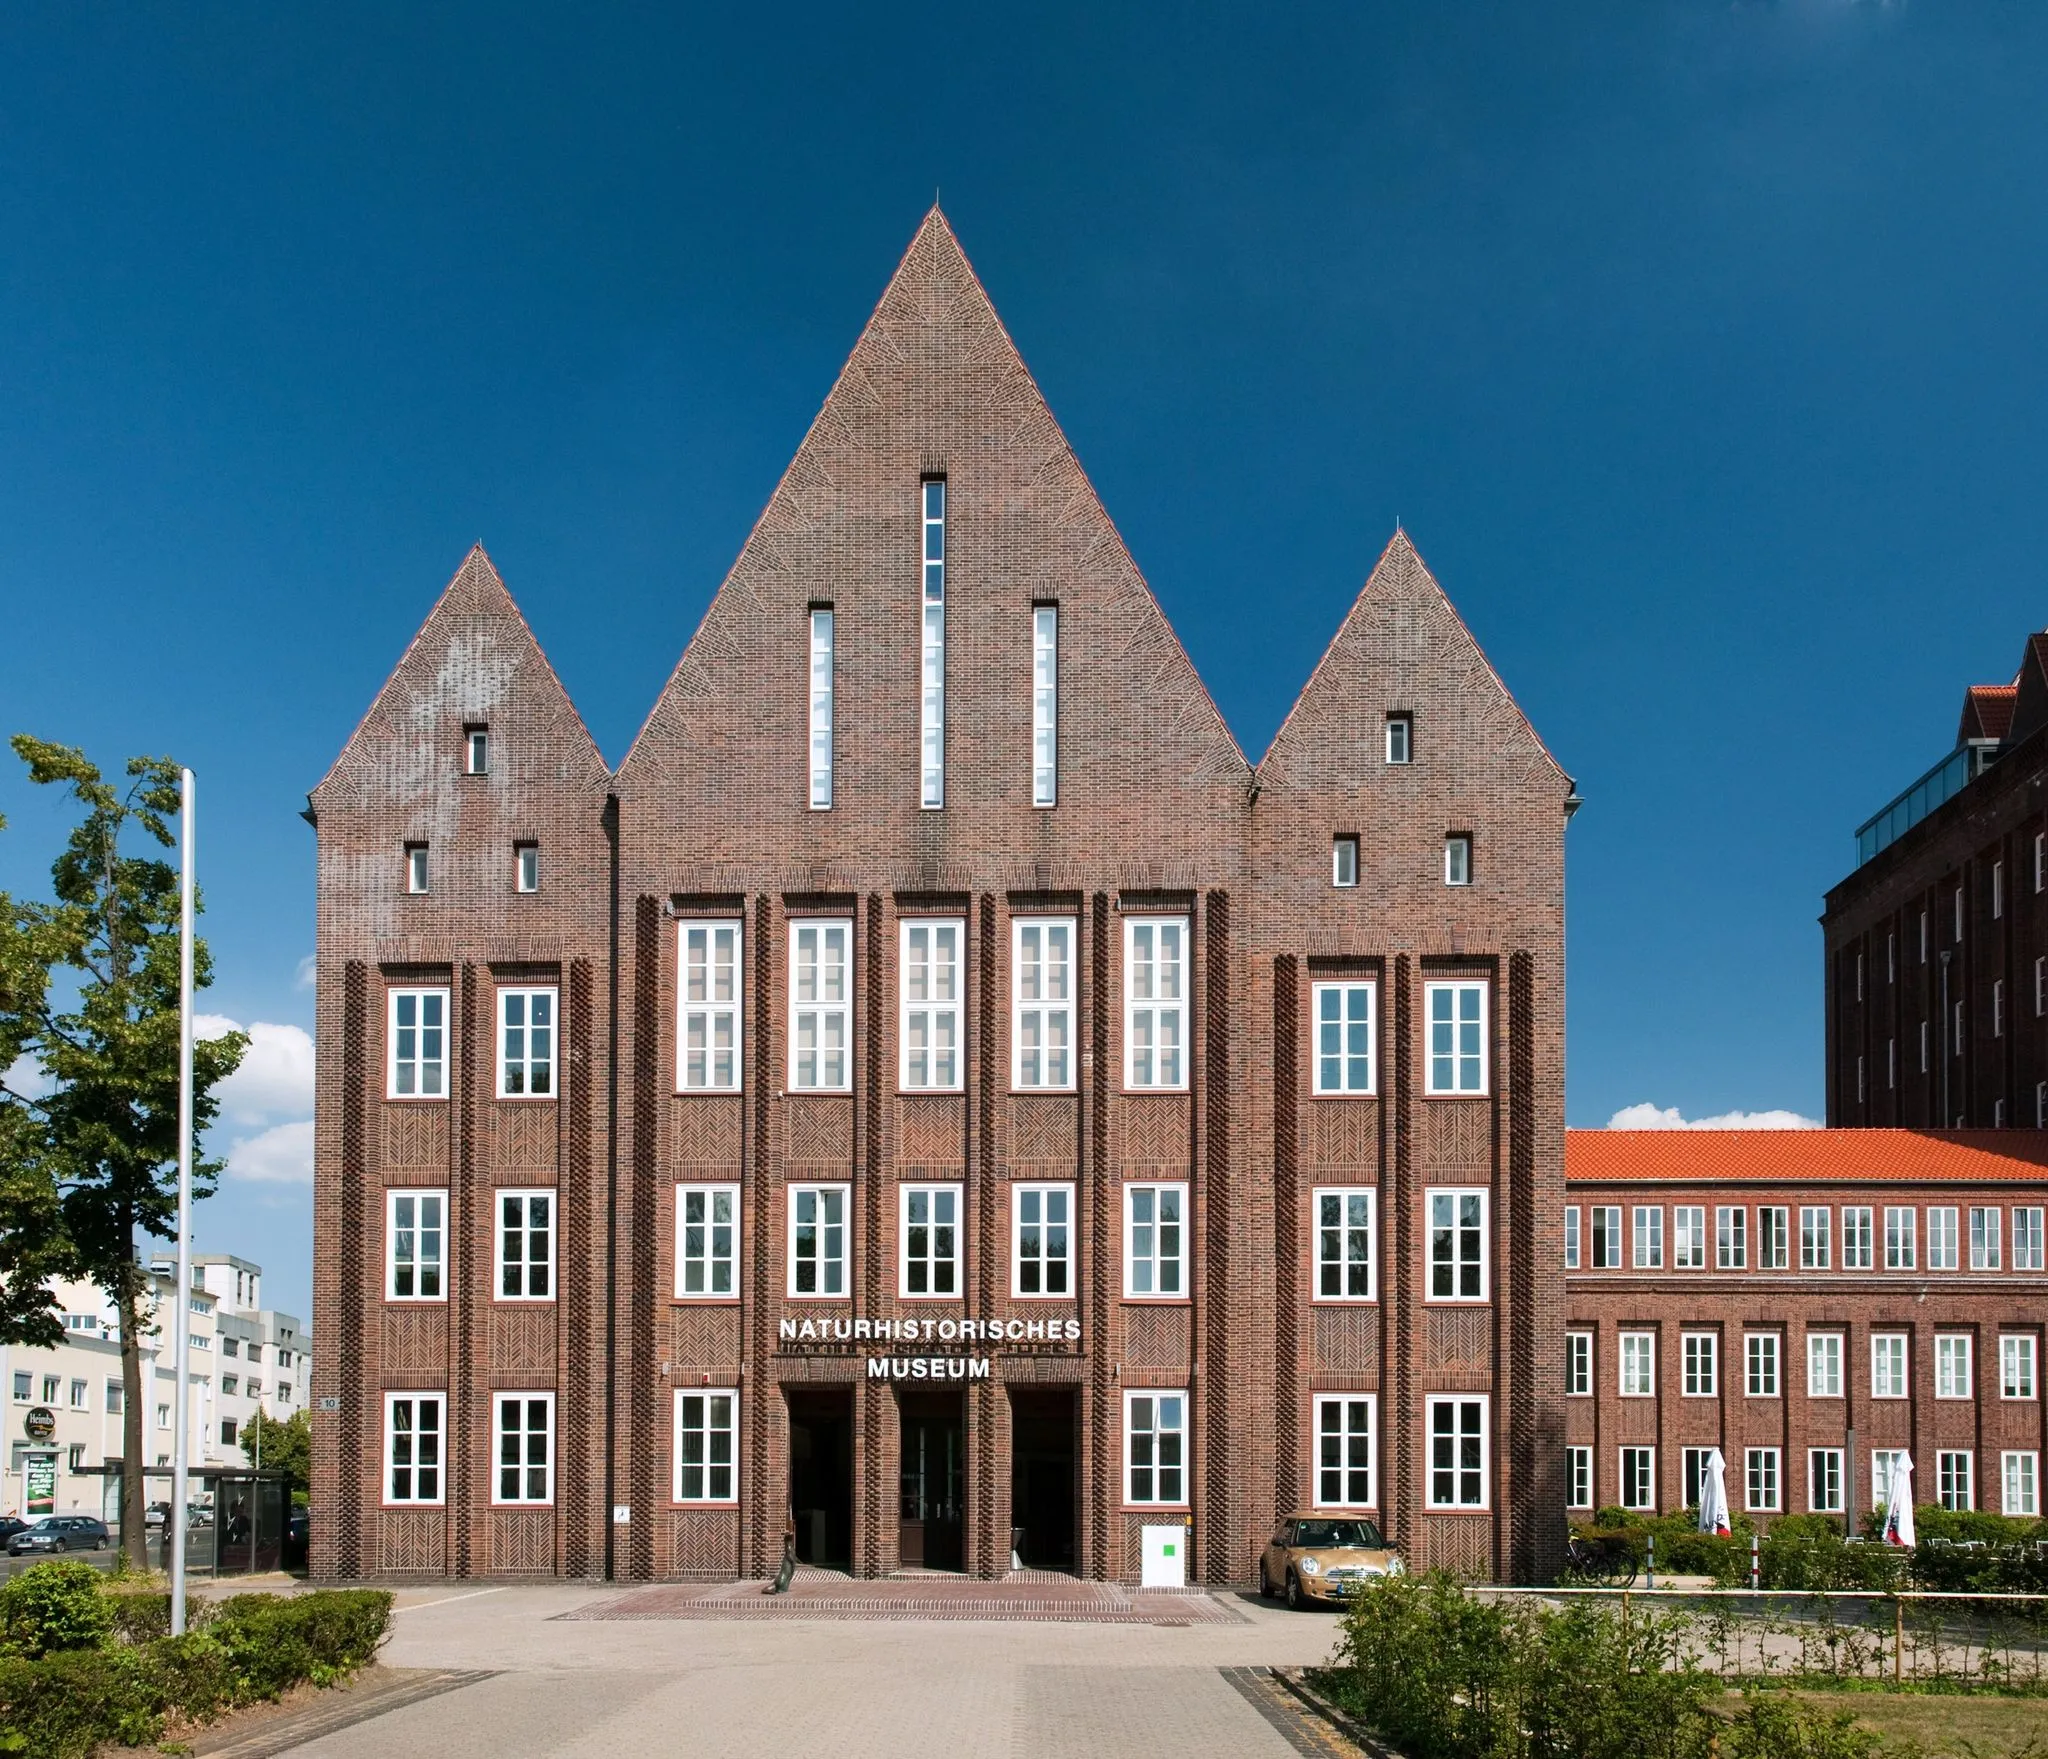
(1055, 1601)
(374, 1692)
(1303, 1721)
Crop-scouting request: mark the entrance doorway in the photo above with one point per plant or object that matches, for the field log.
(933, 1477)
(1043, 1488)
(821, 1476)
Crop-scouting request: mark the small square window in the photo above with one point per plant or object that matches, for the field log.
(526, 867)
(1343, 861)
(476, 751)
(415, 867)
(1400, 738)
(1458, 859)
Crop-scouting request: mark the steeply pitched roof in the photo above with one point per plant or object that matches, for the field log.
(1987, 711)
(2030, 690)
(1870, 1157)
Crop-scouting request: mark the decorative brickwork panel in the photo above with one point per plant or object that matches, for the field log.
(415, 1340)
(821, 1128)
(523, 1339)
(1044, 1128)
(1155, 1132)
(705, 1133)
(522, 1542)
(524, 1138)
(1133, 1560)
(1454, 1141)
(1348, 1340)
(931, 1132)
(1462, 1544)
(1456, 1338)
(412, 1540)
(1156, 1337)
(704, 1544)
(704, 1337)
(416, 1136)
(1346, 1134)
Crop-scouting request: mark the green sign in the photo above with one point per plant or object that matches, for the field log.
(39, 1471)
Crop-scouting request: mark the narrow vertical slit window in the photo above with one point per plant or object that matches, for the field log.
(932, 654)
(476, 751)
(1045, 704)
(1458, 860)
(526, 867)
(1400, 738)
(415, 867)
(1343, 861)
(821, 707)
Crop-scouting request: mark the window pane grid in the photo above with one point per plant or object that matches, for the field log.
(931, 1005)
(817, 1240)
(416, 1244)
(1042, 980)
(1155, 1240)
(707, 1445)
(1345, 1037)
(931, 1233)
(1155, 977)
(1155, 1447)
(1043, 1241)
(526, 1043)
(419, 1044)
(1344, 1452)
(1045, 701)
(820, 987)
(707, 1241)
(1457, 1245)
(525, 1433)
(412, 1447)
(1457, 1038)
(709, 986)
(1344, 1245)
(932, 652)
(526, 1246)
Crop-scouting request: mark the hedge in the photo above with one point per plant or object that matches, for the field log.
(103, 1673)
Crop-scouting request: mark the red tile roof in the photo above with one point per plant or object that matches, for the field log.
(1705, 1157)
(1987, 711)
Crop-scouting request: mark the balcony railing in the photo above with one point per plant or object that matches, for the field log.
(1947, 779)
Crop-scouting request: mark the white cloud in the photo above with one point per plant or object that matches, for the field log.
(281, 1155)
(275, 1079)
(1647, 1116)
(306, 974)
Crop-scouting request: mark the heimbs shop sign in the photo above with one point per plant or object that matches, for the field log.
(840, 1336)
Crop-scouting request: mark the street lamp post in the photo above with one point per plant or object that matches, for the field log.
(181, 1436)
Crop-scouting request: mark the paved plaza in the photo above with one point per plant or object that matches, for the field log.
(612, 1673)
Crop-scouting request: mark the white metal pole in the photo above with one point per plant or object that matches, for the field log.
(181, 1436)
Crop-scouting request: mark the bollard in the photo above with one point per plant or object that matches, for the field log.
(1756, 1574)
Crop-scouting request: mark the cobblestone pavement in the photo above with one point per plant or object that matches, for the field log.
(1027, 1599)
(610, 1687)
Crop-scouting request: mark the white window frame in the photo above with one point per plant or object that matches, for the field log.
(692, 1418)
(820, 687)
(1343, 1439)
(932, 644)
(1357, 1215)
(1462, 1405)
(1045, 705)
(476, 750)
(1153, 1263)
(2019, 1482)
(420, 1195)
(1763, 1492)
(1955, 1478)
(714, 1231)
(418, 874)
(1458, 859)
(516, 1076)
(414, 1467)
(820, 1024)
(1944, 1238)
(526, 867)
(945, 1224)
(1763, 1365)
(2029, 1246)
(1773, 1236)
(1461, 1231)
(1824, 1352)
(1636, 1364)
(931, 980)
(2019, 1366)
(1044, 1192)
(1574, 1243)
(420, 1036)
(1859, 1237)
(1882, 1461)
(1816, 1237)
(1459, 1069)
(1399, 748)
(1731, 1237)
(711, 957)
(1336, 1038)
(1638, 1484)
(1891, 1374)
(1344, 862)
(523, 1495)
(1154, 1012)
(1824, 1486)
(1954, 1366)
(1578, 1364)
(1901, 1237)
(522, 1269)
(1688, 1236)
(826, 1264)
(1607, 1248)
(1646, 1236)
(1154, 1440)
(1042, 949)
(1578, 1478)
(1987, 1229)
(1699, 1365)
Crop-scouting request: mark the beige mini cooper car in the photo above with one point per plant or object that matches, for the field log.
(1316, 1560)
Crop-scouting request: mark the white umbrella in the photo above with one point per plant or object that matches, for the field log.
(1714, 1494)
(1898, 1509)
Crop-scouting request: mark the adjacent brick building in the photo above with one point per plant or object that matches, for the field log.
(937, 1094)
(1811, 1302)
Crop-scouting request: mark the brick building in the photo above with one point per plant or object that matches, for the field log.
(937, 1093)
(1811, 1302)
(1937, 943)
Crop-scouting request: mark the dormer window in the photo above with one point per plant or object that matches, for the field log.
(476, 751)
(1400, 738)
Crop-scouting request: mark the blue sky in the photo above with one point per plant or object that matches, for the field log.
(1698, 345)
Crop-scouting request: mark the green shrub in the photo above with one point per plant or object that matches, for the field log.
(65, 1705)
(52, 1606)
(274, 1642)
(1771, 1726)
(192, 1675)
(141, 1615)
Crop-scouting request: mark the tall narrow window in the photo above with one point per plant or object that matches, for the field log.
(708, 998)
(1952, 1376)
(1457, 1245)
(415, 1236)
(1638, 1365)
(1457, 1038)
(2016, 1365)
(418, 1066)
(1814, 1238)
(1155, 1240)
(1888, 1365)
(1773, 1238)
(1824, 1480)
(1155, 1443)
(931, 1004)
(1344, 1038)
(1649, 1236)
(932, 659)
(1607, 1248)
(817, 1239)
(1457, 1453)
(707, 1241)
(1344, 1451)
(1688, 1236)
(415, 867)
(1760, 1472)
(1042, 977)
(526, 867)
(476, 746)
(1344, 1255)
(1573, 1246)
(1155, 1013)
(1824, 1365)
(1953, 1480)
(820, 985)
(1400, 738)
(1458, 860)
(1042, 1262)
(2021, 1492)
(1899, 1242)
(1731, 1244)
(1639, 1478)
(1699, 1363)
(1343, 861)
(1942, 1240)
(526, 1043)
(526, 1246)
(1858, 1238)
(821, 707)
(931, 1240)
(707, 1445)
(1578, 1364)
(1985, 1245)
(526, 1450)
(2027, 1239)
(412, 1447)
(1045, 704)
(1578, 1466)
(1763, 1364)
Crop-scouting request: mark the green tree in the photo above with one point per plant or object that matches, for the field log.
(106, 1036)
(282, 1444)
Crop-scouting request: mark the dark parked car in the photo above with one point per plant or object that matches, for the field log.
(11, 1525)
(61, 1533)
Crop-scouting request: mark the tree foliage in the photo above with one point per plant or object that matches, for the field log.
(287, 1446)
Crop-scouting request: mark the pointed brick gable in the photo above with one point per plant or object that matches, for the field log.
(473, 660)
(936, 387)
